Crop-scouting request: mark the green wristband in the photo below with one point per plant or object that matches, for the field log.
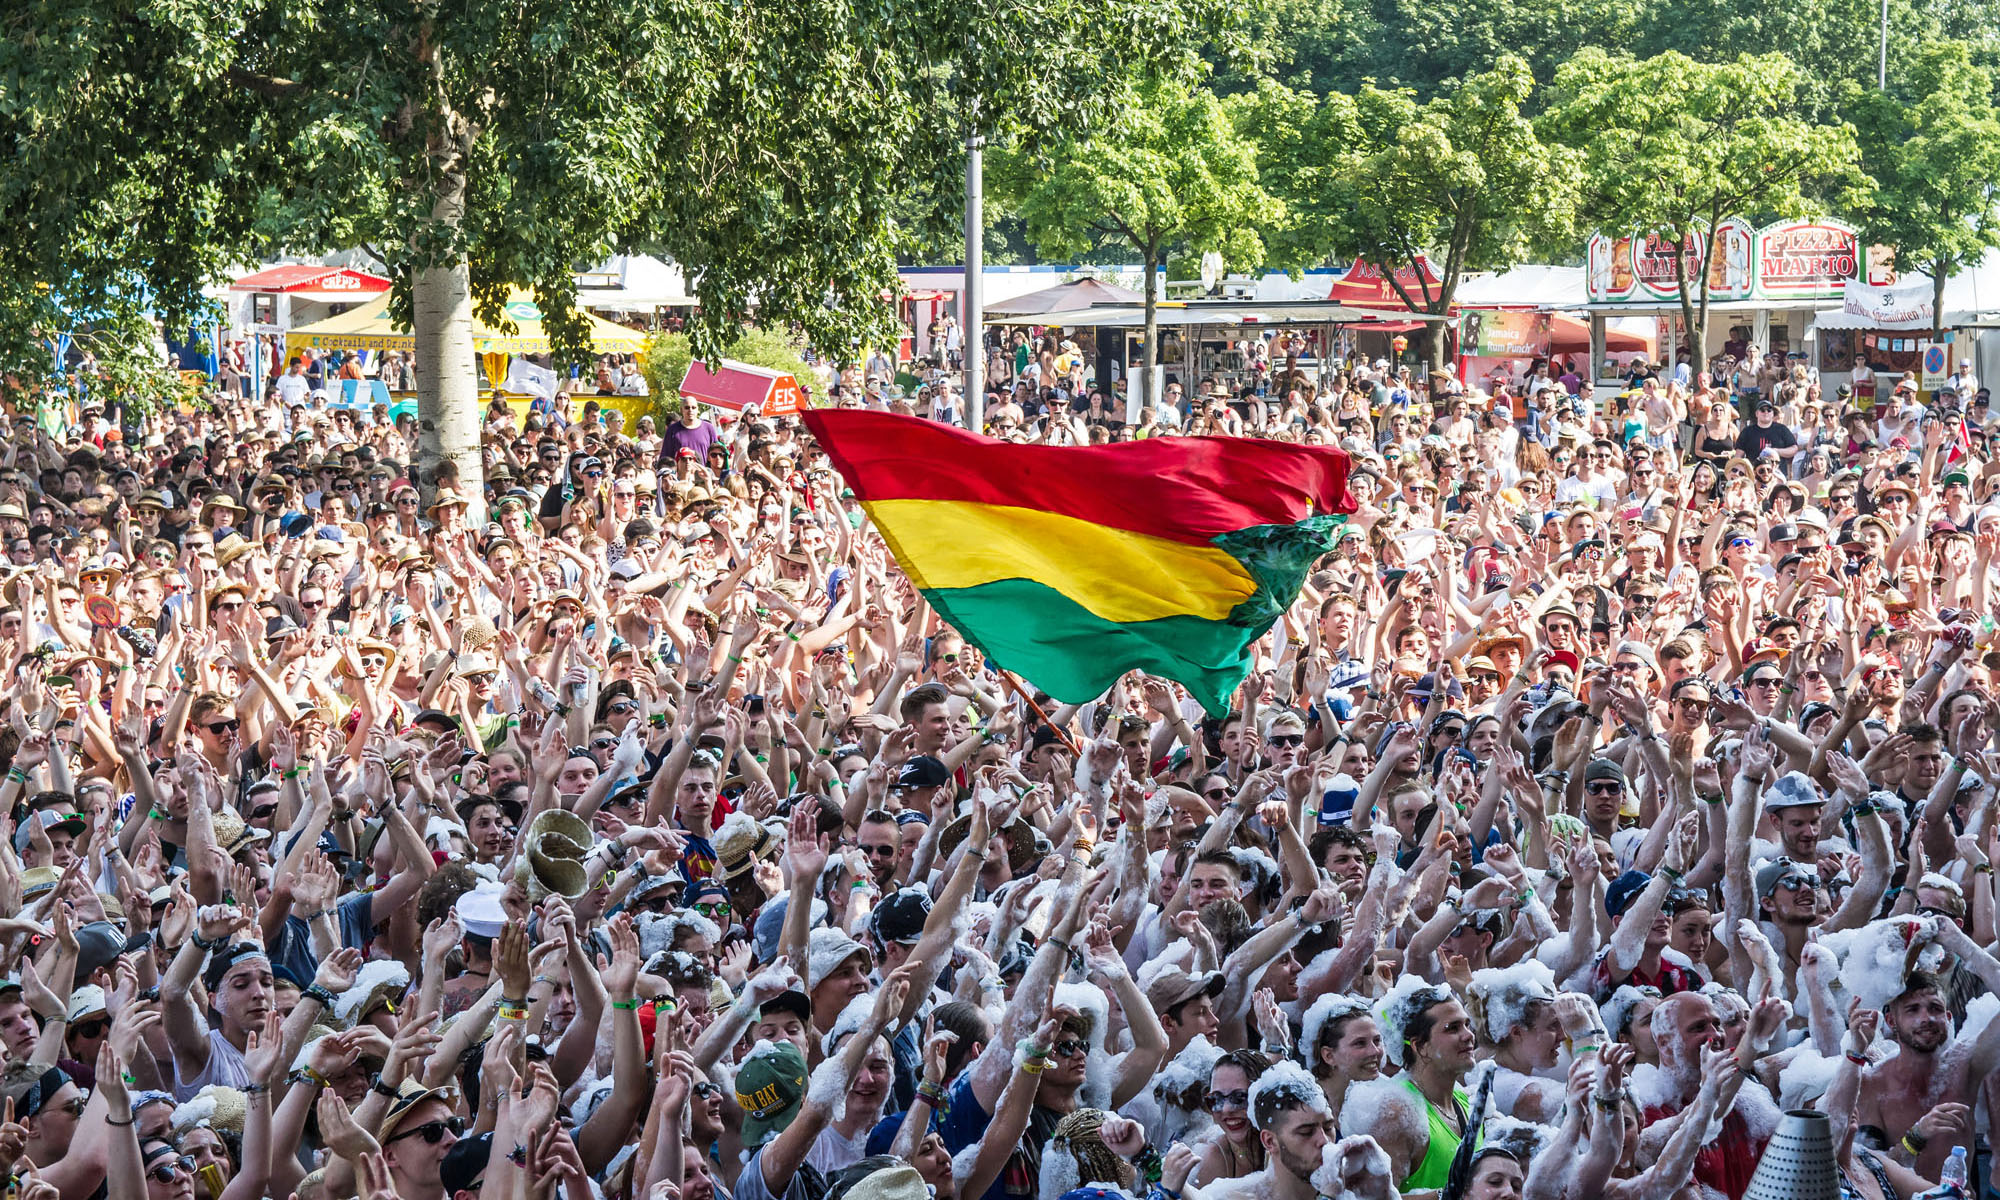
(627, 1005)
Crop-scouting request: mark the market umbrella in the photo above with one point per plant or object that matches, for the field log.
(1064, 297)
(369, 327)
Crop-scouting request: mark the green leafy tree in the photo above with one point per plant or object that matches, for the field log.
(485, 144)
(1168, 173)
(1672, 147)
(1833, 42)
(1931, 147)
(1461, 180)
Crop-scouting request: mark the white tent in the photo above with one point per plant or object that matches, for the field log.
(1527, 286)
(633, 283)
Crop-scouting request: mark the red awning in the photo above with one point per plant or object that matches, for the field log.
(741, 387)
(305, 277)
(1364, 285)
(1387, 326)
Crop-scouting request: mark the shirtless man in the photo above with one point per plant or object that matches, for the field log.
(1899, 1109)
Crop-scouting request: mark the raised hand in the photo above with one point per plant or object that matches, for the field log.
(264, 1051)
(804, 848)
(621, 974)
(339, 1131)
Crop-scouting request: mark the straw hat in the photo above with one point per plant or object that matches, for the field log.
(231, 548)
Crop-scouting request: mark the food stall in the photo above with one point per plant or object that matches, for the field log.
(268, 304)
(1766, 287)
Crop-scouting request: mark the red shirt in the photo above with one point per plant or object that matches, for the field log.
(1726, 1163)
(1673, 978)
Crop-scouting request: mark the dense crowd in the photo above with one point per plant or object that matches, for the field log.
(1622, 777)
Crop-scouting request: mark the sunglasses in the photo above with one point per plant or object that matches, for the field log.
(705, 1089)
(713, 910)
(482, 678)
(1216, 793)
(1288, 739)
(1796, 883)
(622, 706)
(171, 1169)
(92, 1028)
(603, 743)
(1067, 1048)
(222, 727)
(431, 1131)
(1603, 787)
(1217, 1101)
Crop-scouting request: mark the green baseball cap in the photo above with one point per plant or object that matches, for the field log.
(770, 1088)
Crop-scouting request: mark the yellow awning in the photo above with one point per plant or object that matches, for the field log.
(368, 327)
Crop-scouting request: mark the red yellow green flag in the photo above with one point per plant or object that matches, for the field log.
(1071, 565)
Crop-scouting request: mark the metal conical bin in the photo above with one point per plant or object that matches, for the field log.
(1798, 1162)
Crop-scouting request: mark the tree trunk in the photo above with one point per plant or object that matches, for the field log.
(447, 380)
(1940, 275)
(1437, 332)
(1149, 356)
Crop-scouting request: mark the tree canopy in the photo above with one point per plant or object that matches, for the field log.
(1672, 147)
(1930, 146)
(1169, 173)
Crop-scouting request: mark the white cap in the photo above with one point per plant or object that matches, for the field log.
(826, 949)
(86, 1000)
(480, 912)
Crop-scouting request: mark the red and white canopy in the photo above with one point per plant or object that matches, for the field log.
(324, 285)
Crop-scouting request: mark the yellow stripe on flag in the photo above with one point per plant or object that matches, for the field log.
(1116, 574)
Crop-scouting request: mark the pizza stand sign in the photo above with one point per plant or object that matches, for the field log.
(1789, 260)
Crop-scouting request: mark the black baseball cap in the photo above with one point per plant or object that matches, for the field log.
(923, 771)
(901, 915)
(464, 1163)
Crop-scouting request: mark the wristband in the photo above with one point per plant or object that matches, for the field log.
(118, 1124)
(626, 1005)
(1715, 799)
(1671, 874)
(1859, 1060)
(1579, 1051)
(931, 1093)
(308, 1075)
(16, 775)
(315, 992)
(157, 815)
(1030, 1049)
(510, 1002)
(1915, 1142)
(204, 944)
(255, 1089)
(737, 659)
(295, 772)
(1985, 868)
(516, 1014)
(383, 1089)
(1033, 1066)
